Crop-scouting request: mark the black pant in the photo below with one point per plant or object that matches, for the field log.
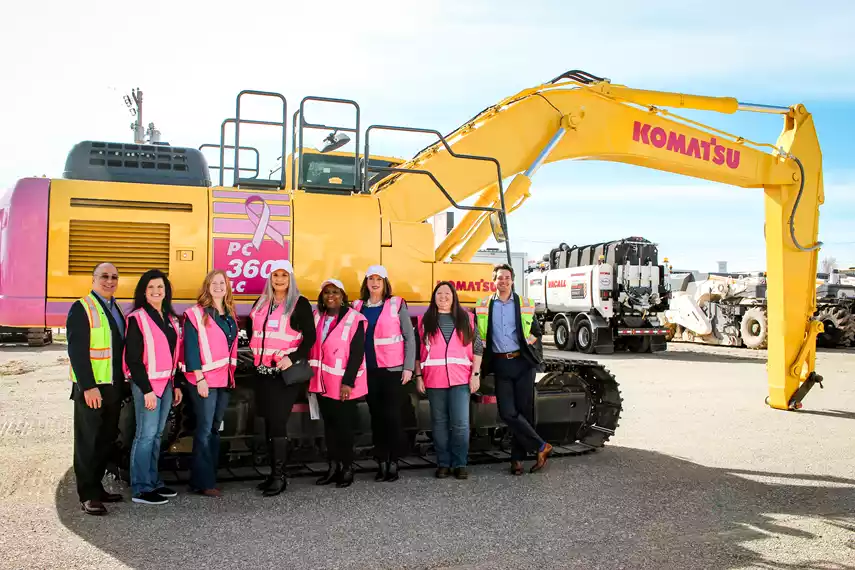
(274, 401)
(95, 433)
(385, 398)
(515, 398)
(339, 422)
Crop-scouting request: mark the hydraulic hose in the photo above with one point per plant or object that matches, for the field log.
(818, 244)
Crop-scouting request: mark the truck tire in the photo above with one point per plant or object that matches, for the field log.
(839, 326)
(39, 337)
(563, 337)
(754, 328)
(585, 337)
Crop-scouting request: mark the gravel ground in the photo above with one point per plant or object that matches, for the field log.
(700, 475)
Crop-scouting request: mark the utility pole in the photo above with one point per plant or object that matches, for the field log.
(135, 105)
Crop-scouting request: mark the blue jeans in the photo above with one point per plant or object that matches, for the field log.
(145, 450)
(206, 440)
(449, 417)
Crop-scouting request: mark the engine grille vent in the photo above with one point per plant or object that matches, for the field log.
(133, 247)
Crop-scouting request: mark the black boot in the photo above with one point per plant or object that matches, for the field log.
(346, 477)
(280, 458)
(392, 471)
(268, 481)
(331, 475)
(382, 470)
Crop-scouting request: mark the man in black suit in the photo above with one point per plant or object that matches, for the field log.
(98, 384)
(513, 352)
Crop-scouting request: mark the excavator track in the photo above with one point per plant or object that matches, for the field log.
(578, 410)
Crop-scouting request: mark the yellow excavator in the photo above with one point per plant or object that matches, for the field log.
(334, 213)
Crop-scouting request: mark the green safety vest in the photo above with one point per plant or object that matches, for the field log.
(482, 317)
(100, 341)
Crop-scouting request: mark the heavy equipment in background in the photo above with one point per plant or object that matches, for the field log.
(730, 309)
(603, 296)
(719, 309)
(334, 213)
(836, 308)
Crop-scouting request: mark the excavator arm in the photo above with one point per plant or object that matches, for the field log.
(582, 117)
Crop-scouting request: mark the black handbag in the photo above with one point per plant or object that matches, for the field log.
(297, 373)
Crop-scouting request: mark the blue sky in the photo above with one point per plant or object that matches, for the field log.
(435, 65)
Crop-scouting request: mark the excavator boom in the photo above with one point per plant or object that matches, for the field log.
(578, 116)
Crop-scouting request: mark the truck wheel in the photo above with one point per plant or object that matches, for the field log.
(839, 326)
(754, 329)
(39, 337)
(585, 337)
(563, 337)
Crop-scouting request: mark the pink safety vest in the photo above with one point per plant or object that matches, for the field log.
(388, 340)
(218, 362)
(160, 365)
(446, 365)
(328, 358)
(279, 338)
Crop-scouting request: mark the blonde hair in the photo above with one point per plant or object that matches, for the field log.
(206, 300)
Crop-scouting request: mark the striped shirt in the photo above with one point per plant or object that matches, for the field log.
(446, 325)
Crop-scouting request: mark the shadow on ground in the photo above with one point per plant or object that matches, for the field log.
(667, 355)
(621, 507)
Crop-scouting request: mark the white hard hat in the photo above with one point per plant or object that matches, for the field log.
(335, 282)
(377, 270)
(281, 264)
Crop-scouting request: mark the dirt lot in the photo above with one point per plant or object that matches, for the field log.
(701, 474)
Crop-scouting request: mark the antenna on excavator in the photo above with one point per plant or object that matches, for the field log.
(135, 106)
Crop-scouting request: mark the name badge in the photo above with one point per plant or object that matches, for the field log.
(273, 324)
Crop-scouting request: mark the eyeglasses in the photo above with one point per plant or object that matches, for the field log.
(108, 277)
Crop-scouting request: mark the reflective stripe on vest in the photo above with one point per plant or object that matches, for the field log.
(279, 339)
(446, 365)
(482, 315)
(328, 358)
(226, 357)
(100, 341)
(388, 339)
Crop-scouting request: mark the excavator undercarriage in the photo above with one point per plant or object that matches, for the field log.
(577, 409)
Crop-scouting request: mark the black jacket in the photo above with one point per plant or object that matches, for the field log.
(135, 345)
(78, 333)
(532, 353)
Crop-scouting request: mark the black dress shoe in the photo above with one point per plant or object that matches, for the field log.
(93, 508)
(392, 471)
(346, 478)
(382, 471)
(110, 497)
(331, 475)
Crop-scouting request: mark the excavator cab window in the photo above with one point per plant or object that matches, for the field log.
(334, 173)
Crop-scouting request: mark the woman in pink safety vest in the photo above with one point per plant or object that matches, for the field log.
(390, 358)
(210, 355)
(281, 331)
(450, 350)
(152, 361)
(338, 361)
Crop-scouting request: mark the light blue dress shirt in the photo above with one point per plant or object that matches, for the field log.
(504, 325)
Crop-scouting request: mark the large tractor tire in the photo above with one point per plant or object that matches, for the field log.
(839, 324)
(754, 328)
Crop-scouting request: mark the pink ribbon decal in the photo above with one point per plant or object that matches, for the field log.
(261, 221)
